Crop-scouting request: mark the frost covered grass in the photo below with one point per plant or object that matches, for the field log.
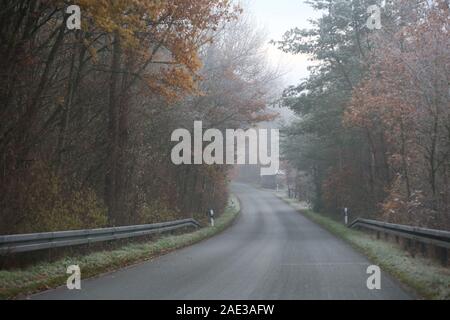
(43, 276)
(426, 277)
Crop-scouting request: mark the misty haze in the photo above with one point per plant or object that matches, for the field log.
(229, 153)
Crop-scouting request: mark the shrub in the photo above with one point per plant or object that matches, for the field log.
(41, 202)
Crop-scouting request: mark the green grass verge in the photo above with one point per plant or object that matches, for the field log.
(424, 276)
(14, 283)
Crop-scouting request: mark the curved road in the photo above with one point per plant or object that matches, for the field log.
(271, 252)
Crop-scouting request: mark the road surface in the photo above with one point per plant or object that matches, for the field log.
(271, 252)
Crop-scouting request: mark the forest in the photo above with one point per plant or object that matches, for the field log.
(87, 114)
(373, 127)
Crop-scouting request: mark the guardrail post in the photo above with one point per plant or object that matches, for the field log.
(423, 249)
(443, 256)
(413, 248)
(406, 244)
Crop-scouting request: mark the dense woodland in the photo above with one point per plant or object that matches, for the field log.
(373, 132)
(87, 115)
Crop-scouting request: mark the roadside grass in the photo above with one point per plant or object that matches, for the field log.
(427, 278)
(42, 276)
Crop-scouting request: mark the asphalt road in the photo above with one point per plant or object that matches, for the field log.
(271, 252)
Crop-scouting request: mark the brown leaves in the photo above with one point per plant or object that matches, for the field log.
(405, 97)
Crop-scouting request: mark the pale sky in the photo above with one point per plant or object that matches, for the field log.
(277, 17)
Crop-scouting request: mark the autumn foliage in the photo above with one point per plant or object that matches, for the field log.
(405, 98)
(87, 114)
(375, 113)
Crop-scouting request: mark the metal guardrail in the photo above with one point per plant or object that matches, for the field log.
(438, 238)
(39, 241)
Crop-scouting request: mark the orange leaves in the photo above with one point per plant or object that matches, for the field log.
(405, 99)
(166, 33)
(407, 77)
(171, 83)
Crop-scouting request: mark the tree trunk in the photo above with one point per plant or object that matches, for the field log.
(113, 132)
